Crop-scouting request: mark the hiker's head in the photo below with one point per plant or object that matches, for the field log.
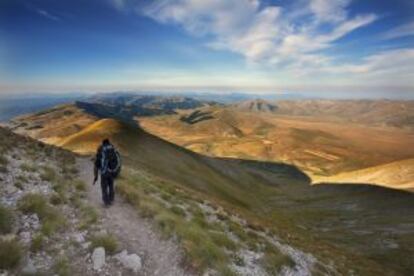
(105, 142)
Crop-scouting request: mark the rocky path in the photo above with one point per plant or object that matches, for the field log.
(135, 234)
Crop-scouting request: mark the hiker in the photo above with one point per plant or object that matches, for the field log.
(108, 163)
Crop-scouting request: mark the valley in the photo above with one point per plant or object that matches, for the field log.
(319, 146)
(270, 217)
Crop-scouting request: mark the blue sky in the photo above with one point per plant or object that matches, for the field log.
(327, 47)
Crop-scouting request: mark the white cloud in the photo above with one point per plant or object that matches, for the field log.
(267, 34)
(329, 10)
(400, 31)
(389, 67)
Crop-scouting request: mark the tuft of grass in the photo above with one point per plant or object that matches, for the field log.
(224, 270)
(6, 220)
(37, 204)
(34, 203)
(80, 185)
(3, 164)
(10, 254)
(89, 216)
(28, 167)
(178, 211)
(3, 160)
(238, 230)
(48, 174)
(106, 241)
(273, 260)
(148, 209)
(223, 240)
(56, 199)
(61, 267)
(167, 223)
(37, 243)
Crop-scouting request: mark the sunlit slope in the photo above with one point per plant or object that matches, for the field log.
(397, 175)
(319, 147)
(336, 222)
(352, 226)
(229, 180)
(53, 125)
(88, 139)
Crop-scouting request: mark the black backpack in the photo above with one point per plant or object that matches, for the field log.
(110, 161)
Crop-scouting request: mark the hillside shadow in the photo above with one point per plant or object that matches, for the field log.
(276, 174)
(196, 117)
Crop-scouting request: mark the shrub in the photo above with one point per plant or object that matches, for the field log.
(48, 174)
(106, 241)
(10, 254)
(6, 220)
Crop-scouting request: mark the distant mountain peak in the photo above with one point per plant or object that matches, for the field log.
(256, 105)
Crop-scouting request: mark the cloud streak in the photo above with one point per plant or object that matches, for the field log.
(400, 31)
(267, 34)
(48, 15)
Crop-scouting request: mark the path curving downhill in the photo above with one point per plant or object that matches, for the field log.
(159, 256)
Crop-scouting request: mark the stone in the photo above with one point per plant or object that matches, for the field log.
(98, 258)
(86, 245)
(29, 268)
(25, 237)
(78, 237)
(132, 261)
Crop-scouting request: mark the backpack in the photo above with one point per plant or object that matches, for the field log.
(110, 161)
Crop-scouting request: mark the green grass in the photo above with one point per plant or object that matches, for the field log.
(273, 260)
(37, 243)
(10, 254)
(56, 199)
(80, 185)
(38, 204)
(89, 216)
(3, 164)
(203, 245)
(28, 167)
(178, 210)
(62, 267)
(48, 174)
(223, 240)
(106, 241)
(6, 220)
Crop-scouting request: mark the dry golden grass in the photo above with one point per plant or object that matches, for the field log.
(317, 146)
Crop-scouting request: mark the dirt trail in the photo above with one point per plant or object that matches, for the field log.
(159, 257)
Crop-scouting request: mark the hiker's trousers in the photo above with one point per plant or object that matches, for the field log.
(107, 185)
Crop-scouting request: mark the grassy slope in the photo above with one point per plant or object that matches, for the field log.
(335, 223)
(396, 175)
(340, 224)
(321, 148)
